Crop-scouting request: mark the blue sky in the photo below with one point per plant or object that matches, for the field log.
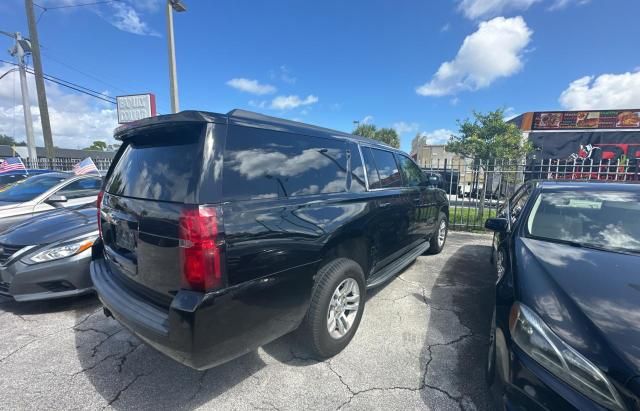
(416, 65)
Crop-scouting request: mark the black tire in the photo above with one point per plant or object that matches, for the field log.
(314, 329)
(435, 247)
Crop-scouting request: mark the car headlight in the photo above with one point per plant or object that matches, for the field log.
(59, 251)
(537, 340)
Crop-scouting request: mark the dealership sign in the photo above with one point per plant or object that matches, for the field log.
(576, 120)
(135, 107)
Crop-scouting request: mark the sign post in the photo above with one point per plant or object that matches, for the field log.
(135, 107)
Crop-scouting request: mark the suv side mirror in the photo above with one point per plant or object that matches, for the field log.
(432, 180)
(56, 199)
(499, 225)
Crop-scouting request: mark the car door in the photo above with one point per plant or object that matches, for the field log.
(77, 192)
(80, 192)
(391, 221)
(419, 196)
(503, 242)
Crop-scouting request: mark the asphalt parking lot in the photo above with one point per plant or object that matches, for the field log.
(421, 345)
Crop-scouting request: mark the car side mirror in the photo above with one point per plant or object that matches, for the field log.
(499, 225)
(56, 199)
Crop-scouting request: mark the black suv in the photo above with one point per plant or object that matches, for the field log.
(220, 233)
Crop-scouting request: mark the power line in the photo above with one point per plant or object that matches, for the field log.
(49, 56)
(74, 86)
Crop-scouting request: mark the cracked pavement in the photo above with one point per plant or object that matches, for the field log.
(421, 345)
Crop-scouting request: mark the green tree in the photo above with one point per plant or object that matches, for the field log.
(489, 137)
(6, 140)
(386, 135)
(97, 146)
(365, 130)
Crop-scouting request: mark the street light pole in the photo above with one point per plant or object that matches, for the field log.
(178, 6)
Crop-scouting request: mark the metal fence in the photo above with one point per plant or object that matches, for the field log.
(65, 164)
(477, 189)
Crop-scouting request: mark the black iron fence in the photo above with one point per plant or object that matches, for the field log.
(65, 164)
(477, 189)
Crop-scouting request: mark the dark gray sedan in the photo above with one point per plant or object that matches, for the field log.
(48, 256)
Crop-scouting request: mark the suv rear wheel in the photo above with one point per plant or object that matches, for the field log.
(336, 307)
(439, 238)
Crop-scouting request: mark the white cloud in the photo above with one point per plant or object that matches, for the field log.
(445, 28)
(126, 18)
(560, 4)
(474, 9)
(436, 137)
(251, 86)
(76, 120)
(402, 127)
(493, 51)
(483, 9)
(607, 91)
(291, 102)
(367, 119)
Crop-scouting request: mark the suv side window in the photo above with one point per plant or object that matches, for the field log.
(387, 169)
(372, 170)
(411, 173)
(86, 187)
(358, 184)
(261, 163)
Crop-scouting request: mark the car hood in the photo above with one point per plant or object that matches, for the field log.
(52, 226)
(590, 298)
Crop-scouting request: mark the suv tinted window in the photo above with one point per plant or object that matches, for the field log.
(411, 173)
(268, 164)
(158, 165)
(86, 187)
(372, 170)
(387, 169)
(357, 171)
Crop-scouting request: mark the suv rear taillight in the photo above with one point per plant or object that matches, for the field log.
(200, 249)
(99, 205)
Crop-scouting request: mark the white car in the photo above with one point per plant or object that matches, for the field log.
(46, 192)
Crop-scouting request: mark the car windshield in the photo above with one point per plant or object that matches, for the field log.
(608, 220)
(30, 188)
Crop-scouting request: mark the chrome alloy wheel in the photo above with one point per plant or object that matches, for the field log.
(442, 233)
(343, 308)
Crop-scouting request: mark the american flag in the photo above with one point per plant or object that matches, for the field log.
(86, 166)
(11, 164)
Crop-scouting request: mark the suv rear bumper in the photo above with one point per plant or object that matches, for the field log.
(191, 331)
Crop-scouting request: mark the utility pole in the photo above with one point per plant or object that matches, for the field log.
(19, 50)
(40, 89)
(178, 6)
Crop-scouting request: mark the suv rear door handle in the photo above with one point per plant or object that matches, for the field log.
(382, 205)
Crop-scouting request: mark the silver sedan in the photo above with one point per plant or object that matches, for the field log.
(46, 192)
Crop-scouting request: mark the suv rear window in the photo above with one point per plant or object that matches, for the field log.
(262, 163)
(158, 165)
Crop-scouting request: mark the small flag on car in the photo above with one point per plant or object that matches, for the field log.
(86, 166)
(12, 164)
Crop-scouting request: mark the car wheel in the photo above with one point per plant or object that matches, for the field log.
(440, 236)
(336, 308)
(490, 368)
